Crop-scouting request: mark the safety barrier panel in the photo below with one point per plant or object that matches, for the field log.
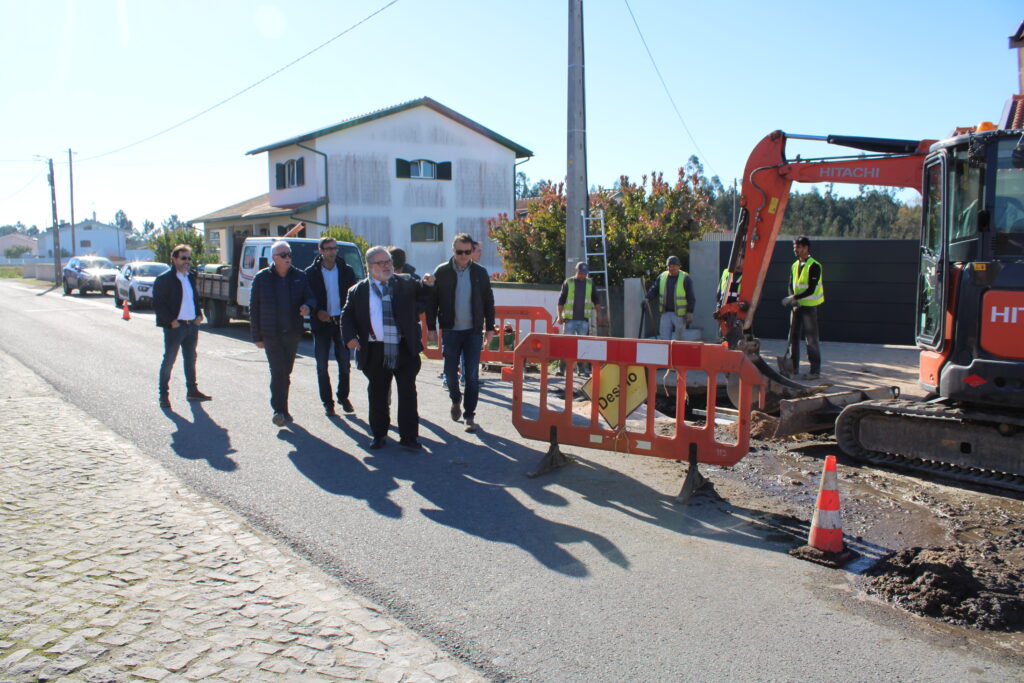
(513, 322)
(631, 369)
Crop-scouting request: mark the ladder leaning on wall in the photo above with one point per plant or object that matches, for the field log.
(595, 253)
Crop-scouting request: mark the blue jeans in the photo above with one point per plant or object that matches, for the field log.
(322, 342)
(185, 337)
(579, 328)
(463, 346)
(671, 326)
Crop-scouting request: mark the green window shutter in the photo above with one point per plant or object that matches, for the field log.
(280, 177)
(300, 171)
(444, 170)
(402, 169)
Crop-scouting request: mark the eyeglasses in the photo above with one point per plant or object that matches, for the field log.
(463, 252)
(184, 258)
(380, 263)
(284, 254)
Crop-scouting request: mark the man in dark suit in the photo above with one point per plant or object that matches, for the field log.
(381, 324)
(176, 304)
(330, 279)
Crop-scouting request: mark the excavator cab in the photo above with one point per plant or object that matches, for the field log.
(971, 272)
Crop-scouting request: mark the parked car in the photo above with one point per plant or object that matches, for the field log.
(89, 272)
(134, 283)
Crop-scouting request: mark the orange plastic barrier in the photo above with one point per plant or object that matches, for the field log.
(634, 367)
(513, 323)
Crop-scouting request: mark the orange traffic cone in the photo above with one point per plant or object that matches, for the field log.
(125, 315)
(827, 524)
(825, 540)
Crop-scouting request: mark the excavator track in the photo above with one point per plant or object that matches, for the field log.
(936, 439)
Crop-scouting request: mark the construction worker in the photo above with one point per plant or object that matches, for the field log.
(579, 295)
(672, 294)
(806, 293)
(734, 292)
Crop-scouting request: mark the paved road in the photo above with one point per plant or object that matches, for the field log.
(590, 574)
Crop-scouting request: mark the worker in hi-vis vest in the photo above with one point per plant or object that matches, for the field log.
(734, 291)
(806, 293)
(673, 300)
(576, 302)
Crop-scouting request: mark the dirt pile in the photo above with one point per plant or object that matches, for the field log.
(979, 585)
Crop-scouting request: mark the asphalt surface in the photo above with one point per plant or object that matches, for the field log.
(591, 573)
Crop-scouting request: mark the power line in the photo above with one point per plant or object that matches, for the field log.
(669, 94)
(25, 187)
(247, 88)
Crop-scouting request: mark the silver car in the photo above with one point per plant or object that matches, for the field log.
(134, 283)
(86, 273)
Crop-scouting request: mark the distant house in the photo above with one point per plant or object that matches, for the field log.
(412, 175)
(91, 237)
(17, 239)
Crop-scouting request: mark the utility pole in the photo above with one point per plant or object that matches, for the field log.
(56, 230)
(71, 184)
(576, 160)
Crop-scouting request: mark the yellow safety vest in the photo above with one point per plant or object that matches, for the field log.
(800, 276)
(726, 296)
(570, 299)
(680, 292)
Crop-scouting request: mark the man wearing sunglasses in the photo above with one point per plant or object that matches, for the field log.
(463, 305)
(280, 299)
(176, 304)
(330, 279)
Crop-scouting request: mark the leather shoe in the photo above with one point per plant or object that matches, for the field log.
(470, 425)
(347, 406)
(198, 396)
(378, 442)
(278, 419)
(165, 402)
(411, 445)
(329, 411)
(456, 411)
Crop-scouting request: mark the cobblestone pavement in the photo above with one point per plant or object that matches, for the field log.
(110, 570)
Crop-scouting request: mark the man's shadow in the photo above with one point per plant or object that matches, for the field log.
(202, 438)
(339, 473)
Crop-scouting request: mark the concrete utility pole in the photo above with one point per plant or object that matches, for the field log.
(576, 188)
(71, 184)
(56, 229)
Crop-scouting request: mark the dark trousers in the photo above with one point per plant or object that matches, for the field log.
(281, 350)
(463, 346)
(323, 340)
(378, 391)
(803, 322)
(184, 337)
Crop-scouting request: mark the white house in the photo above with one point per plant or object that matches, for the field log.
(91, 237)
(412, 175)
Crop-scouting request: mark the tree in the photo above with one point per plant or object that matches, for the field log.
(162, 242)
(343, 233)
(644, 223)
(16, 251)
(121, 221)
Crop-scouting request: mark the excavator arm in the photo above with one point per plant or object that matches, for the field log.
(766, 184)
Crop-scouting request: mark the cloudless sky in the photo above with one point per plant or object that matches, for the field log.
(96, 75)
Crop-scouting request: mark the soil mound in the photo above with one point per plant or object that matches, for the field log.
(967, 585)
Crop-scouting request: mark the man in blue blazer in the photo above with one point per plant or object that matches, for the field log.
(176, 304)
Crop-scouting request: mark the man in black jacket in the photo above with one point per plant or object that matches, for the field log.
(176, 305)
(330, 279)
(279, 301)
(381, 324)
(463, 305)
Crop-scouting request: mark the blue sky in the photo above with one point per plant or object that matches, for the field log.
(95, 75)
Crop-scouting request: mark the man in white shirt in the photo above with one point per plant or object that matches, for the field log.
(176, 304)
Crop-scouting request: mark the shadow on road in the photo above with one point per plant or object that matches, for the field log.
(338, 472)
(202, 438)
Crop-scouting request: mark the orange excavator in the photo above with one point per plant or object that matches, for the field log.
(970, 298)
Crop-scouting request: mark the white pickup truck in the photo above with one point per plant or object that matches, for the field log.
(225, 294)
